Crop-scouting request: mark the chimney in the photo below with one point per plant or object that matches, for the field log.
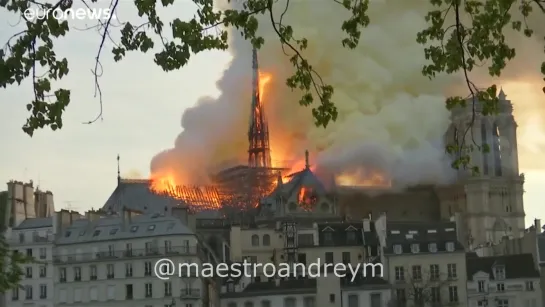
(366, 225)
(537, 225)
(126, 217)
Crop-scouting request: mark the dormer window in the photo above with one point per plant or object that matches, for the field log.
(230, 286)
(351, 236)
(499, 272)
(450, 246)
(96, 233)
(113, 231)
(67, 234)
(415, 248)
(151, 227)
(134, 228)
(432, 247)
(398, 249)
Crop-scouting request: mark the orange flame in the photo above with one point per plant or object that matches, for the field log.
(363, 178)
(264, 79)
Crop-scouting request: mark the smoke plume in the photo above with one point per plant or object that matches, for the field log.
(391, 118)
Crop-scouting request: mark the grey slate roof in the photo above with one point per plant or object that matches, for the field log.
(136, 196)
(516, 266)
(38, 222)
(422, 233)
(111, 228)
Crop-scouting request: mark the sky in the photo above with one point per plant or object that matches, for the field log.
(142, 114)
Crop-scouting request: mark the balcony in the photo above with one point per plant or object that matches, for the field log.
(31, 241)
(125, 254)
(190, 294)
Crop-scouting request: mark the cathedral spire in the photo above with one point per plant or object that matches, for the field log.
(307, 164)
(258, 133)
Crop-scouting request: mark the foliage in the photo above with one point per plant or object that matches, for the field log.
(457, 47)
(10, 263)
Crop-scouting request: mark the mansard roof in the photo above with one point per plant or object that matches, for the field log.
(407, 234)
(516, 266)
(135, 195)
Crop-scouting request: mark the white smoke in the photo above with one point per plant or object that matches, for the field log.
(391, 118)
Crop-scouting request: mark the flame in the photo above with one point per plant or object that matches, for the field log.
(162, 183)
(363, 178)
(306, 198)
(264, 79)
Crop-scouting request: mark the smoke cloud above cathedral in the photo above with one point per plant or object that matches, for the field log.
(391, 118)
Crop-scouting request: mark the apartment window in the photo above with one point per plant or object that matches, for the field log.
(500, 272)
(15, 294)
(28, 271)
(168, 288)
(43, 291)
(398, 249)
(147, 268)
(353, 300)
(415, 248)
(328, 238)
(231, 304)
(266, 240)
(248, 304)
(309, 301)
(432, 247)
(43, 253)
(110, 271)
(401, 297)
(128, 249)
(418, 295)
(435, 295)
(503, 303)
(399, 273)
(376, 300)
(128, 269)
(351, 237)
(21, 238)
(346, 257)
(93, 272)
(332, 298)
(451, 268)
(149, 290)
(29, 252)
(43, 271)
(77, 274)
(529, 286)
(500, 287)
(329, 257)
(417, 272)
(480, 285)
(28, 292)
(434, 272)
(453, 294)
(255, 240)
(111, 250)
(77, 295)
(289, 302)
(168, 246)
(128, 292)
(450, 246)
(96, 233)
(62, 274)
(265, 303)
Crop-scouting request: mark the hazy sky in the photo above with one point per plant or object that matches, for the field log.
(142, 113)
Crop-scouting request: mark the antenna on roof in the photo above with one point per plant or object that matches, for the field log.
(118, 171)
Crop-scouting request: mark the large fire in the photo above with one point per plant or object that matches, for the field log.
(209, 198)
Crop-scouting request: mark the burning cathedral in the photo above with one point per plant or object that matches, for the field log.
(488, 205)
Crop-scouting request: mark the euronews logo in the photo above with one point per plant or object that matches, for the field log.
(74, 14)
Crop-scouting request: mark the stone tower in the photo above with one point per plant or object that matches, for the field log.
(493, 206)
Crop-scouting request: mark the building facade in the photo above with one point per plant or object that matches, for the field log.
(110, 261)
(503, 281)
(33, 238)
(426, 264)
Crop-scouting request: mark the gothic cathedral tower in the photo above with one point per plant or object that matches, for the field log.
(493, 198)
